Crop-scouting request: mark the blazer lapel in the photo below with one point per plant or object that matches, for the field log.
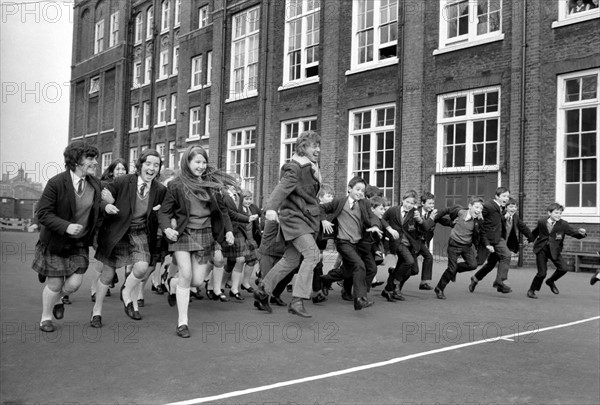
(151, 198)
(132, 192)
(68, 184)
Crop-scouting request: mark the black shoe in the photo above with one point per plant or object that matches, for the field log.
(42, 279)
(552, 286)
(425, 286)
(473, 284)
(318, 298)
(129, 311)
(346, 296)
(222, 297)
(58, 311)
(228, 285)
(362, 302)
(388, 295)
(439, 293)
(263, 299)
(391, 270)
(172, 299)
(108, 293)
(296, 307)
(94, 297)
(377, 283)
(114, 281)
(65, 300)
(325, 285)
(594, 279)
(160, 289)
(140, 303)
(96, 321)
(47, 326)
(236, 295)
(277, 301)
(249, 289)
(531, 294)
(153, 288)
(501, 287)
(210, 294)
(258, 306)
(197, 294)
(397, 295)
(183, 331)
(289, 288)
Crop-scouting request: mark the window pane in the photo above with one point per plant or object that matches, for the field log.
(461, 133)
(449, 157)
(589, 172)
(449, 108)
(449, 138)
(573, 121)
(588, 195)
(572, 171)
(589, 86)
(492, 101)
(572, 195)
(478, 131)
(479, 102)
(588, 144)
(572, 146)
(491, 130)
(588, 119)
(491, 153)
(461, 106)
(572, 93)
(460, 156)
(478, 154)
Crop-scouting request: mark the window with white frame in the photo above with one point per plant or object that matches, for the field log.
(375, 32)
(160, 148)
(195, 122)
(244, 53)
(577, 10)
(163, 61)
(469, 22)
(241, 155)
(95, 85)
(301, 40)
(196, 72)
(206, 120)
(371, 146)
(161, 117)
(149, 23)
(165, 15)
(208, 68)
(173, 107)
(145, 114)
(99, 37)
(172, 155)
(175, 60)
(177, 13)
(577, 144)
(468, 129)
(138, 28)
(203, 16)
(114, 29)
(133, 157)
(290, 130)
(106, 160)
(135, 117)
(137, 74)
(148, 69)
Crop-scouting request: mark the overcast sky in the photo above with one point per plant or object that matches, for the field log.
(35, 71)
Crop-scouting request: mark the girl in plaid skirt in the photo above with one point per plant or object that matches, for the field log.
(194, 200)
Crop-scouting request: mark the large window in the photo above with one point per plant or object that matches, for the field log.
(371, 146)
(572, 11)
(135, 117)
(106, 160)
(137, 74)
(161, 118)
(469, 22)
(244, 49)
(290, 130)
(165, 15)
(138, 28)
(203, 16)
(374, 32)
(172, 153)
(208, 68)
(173, 108)
(241, 155)
(175, 69)
(177, 13)
(148, 70)
(163, 71)
(195, 123)
(160, 148)
(99, 37)
(133, 157)
(206, 121)
(145, 115)
(196, 72)
(301, 40)
(114, 29)
(150, 23)
(577, 147)
(468, 128)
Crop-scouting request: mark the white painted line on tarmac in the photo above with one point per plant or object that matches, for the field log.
(508, 339)
(372, 365)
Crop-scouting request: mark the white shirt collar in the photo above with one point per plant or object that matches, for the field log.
(75, 179)
(351, 201)
(468, 216)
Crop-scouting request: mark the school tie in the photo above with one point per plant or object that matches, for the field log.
(352, 204)
(80, 186)
(550, 226)
(142, 190)
(509, 221)
(427, 213)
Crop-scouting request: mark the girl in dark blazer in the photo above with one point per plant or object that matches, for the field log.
(67, 212)
(194, 200)
(128, 232)
(550, 235)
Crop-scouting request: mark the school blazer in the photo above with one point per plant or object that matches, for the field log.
(56, 211)
(553, 239)
(239, 220)
(114, 227)
(512, 239)
(177, 206)
(336, 207)
(493, 222)
(427, 228)
(409, 227)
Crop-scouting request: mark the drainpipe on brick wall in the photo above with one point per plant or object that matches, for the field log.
(155, 50)
(223, 87)
(401, 93)
(126, 87)
(523, 122)
(261, 163)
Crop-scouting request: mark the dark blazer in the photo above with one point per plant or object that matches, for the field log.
(409, 227)
(239, 220)
(555, 238)
(256, 224)
(493, 222)
(270, 245)
(336, 207)
(114, 227)
(295, 197)
(176, 205)
(427, 228)
(56, 211)
(512, 239)
(478, 238)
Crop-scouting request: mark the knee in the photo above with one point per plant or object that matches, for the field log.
(107, 276)
(55, 284)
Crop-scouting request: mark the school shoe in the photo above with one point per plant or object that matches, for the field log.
(439, 293)
(93, 297)
(108, 293)
(140, 303)
(296, 307)
(325, 285)
(362, 302)
(277, 301)
(197, 294)
(41, 279)
(58, 311)
(249, 289)
(318, 298)
(236, 295)
(397, 295)
(132, 313)
(172, 299)
(425, 286)
(501, 287)
(183, 331)
(114, 281)
(531, 294)
(262, 298)
(258, 306)
(388, 295)
(594, 278)
(47, 326)
(346, 296)
(473, 284)
(96, 321)
(65, 300)
(210, 294)
(377, 283)
(552, 286)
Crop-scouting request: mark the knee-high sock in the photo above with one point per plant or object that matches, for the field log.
(95, 278)
(49, 298)
(131, 285)
(217, 279)
(173, 285)
(101, 290)
(183, 302)
(236, 277)
(140, 291)
(247, 272)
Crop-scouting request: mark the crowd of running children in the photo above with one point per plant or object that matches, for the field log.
(219, 239)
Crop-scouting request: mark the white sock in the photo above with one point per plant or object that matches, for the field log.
(183, 302)
(217, 279)
(236, 277)
(101, 293)
(131, 284)
(49, 299)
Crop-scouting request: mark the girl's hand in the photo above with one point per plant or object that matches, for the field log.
(74, 229)
(229, 238)
(107, 196)
(171, 234)
(327, 226)
(252, 217)
(111, 209)
(271, 215)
